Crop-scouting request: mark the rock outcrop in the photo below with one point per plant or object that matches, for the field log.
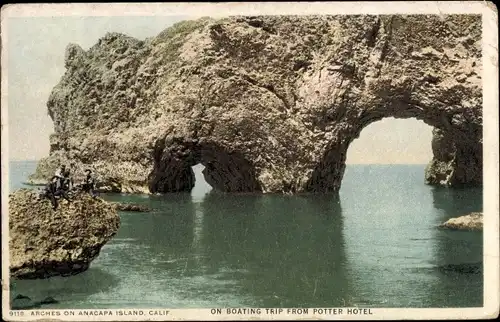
(45, 242)
(267, 103)
(131, 207)
(472, 221)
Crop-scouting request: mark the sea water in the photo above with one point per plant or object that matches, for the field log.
(376, 245)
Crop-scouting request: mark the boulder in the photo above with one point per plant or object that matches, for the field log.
(46, 242)
(472, 222)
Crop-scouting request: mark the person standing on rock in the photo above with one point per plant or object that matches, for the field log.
(50, 191)
(67, 180)
(61, 171)
(62, 191)
(59, 186)
(88, 184)
(61, 175)
(54, 191)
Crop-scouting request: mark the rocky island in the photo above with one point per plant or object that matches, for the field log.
(45, 242)
(266, 103)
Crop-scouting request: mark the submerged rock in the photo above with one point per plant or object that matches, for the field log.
(464, 268)
(49, 300)
(131, 207)
(22, 302)
(473, 221)
(268, 103)
(46, 242)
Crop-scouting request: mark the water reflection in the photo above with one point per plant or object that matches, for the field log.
(458, 201)
(284, 251)
(457, 255)
(379, 247)
(163, 237)
(269, 251)
(79, 287)
(457, 247)
(397, 254)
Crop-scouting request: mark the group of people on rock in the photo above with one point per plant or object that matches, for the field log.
(61, 185)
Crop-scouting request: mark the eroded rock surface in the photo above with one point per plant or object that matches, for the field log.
(266, 104)
(472, 221)
(45, 242)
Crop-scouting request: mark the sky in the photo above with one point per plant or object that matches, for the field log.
(36, 47)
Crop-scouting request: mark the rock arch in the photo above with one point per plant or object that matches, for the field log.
(224, 170)
(268, 103)
(457, 156)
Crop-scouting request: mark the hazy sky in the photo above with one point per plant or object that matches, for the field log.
(36, 62)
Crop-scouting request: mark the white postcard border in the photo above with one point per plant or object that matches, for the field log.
(490, 146)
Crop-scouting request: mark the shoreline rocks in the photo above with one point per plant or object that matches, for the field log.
(470, 222)
(46, 242)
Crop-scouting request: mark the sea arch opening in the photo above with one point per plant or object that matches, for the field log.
(392, 141)
(456, 149)
(223, 169)
(201, 186)
(388, 158)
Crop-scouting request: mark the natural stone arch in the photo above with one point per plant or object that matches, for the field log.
(279, 98)
(457, 156)
(225, 171)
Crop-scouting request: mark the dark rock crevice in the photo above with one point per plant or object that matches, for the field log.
(373, 33)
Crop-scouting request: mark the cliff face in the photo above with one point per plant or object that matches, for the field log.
(45, 242)
(268, 103)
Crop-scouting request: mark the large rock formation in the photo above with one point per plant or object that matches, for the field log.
(268, 103)
(45, 242)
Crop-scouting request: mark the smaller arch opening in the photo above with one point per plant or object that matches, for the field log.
(175, 166)
(201, 186)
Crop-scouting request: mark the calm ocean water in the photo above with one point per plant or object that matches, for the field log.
(377, 245)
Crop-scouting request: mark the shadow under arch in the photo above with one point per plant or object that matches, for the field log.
(225, 170)
(457, 247)
(458, 201)
(281, 251)
(169, 227)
